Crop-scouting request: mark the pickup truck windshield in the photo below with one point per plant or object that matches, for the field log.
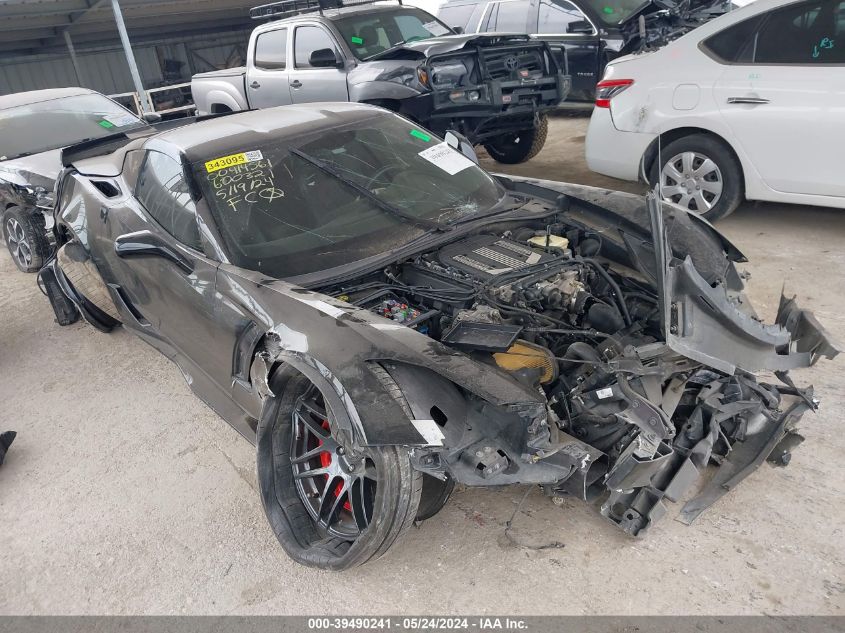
(302, 205)
(39, 127)
(369, 34)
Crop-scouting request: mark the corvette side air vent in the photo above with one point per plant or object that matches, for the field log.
(108, 189)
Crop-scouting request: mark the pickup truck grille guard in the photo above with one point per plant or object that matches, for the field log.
(521, 80)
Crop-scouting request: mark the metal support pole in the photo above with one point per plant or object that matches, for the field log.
(130, 57)
(73, 59)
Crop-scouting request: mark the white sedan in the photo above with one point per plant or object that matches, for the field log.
(748, 106)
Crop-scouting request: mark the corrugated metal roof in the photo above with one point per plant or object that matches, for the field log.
(38, 26)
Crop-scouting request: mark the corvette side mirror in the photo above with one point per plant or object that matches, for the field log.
(151, 117)
(459, 30)
(147, 244)
(459, 142)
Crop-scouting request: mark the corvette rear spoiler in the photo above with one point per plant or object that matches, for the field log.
(94, 147)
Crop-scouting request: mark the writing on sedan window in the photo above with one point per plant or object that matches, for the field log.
(824, 43)
(248, 182)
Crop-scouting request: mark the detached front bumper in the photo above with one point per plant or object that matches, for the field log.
(504, 90)
(502, 107)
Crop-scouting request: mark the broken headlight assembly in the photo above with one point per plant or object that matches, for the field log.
(447, 74)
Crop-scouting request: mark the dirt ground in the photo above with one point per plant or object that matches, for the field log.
(124, 494)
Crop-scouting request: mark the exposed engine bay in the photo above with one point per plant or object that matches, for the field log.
(630, 422)
(662, 21)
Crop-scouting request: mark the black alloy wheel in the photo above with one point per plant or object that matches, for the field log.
(336, 486)
(330, 505)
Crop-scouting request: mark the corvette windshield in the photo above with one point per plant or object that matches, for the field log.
(354, 191)
(39, 127)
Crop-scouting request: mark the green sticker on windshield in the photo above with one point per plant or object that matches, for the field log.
(608, 10)
(106, 124)
(420, 135)
(356, 40)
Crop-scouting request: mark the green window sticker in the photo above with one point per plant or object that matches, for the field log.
(106, 124)
(420, 135)
(608, 10)
(356, 40)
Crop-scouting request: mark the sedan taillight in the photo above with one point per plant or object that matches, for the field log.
(609, 88)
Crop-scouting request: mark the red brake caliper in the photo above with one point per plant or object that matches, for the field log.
(325, 460)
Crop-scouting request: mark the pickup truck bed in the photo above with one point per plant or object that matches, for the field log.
(216, 87)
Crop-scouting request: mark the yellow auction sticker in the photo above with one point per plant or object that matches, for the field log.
(231, 160)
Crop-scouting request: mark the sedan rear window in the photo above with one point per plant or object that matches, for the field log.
(46, 125)
(735, 44)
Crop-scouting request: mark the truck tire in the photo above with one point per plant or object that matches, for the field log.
(26, 238)
(514, 148)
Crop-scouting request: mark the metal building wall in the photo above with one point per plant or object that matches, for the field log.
(105, 69)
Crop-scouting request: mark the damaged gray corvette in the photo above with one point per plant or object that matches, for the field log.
(384, 319)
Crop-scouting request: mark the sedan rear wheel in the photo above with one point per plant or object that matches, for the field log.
(330, 504)
(700, 174)
(693, 181)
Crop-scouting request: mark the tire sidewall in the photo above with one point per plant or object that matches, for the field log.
(36, 238)
(292, 524)
(531, 142)
(733, 187)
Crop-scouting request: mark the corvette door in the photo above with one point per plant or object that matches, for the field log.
(783, 97)
(165, 280)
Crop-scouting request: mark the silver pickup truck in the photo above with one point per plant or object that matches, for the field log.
(493, 88)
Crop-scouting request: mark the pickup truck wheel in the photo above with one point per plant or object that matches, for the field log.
(330, 506)
(26, 238)
(700, 174)
(514, 148)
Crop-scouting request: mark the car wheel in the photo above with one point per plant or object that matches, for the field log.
(435, 494)
(701, 175)
(329, 506)
(518, 147)
(26, 238)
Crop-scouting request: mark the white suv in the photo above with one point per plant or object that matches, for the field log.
(750, 105)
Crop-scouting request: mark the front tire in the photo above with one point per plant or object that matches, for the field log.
(435, 494)
(700, 174)
(26, 238)
(519, 147)
(330, 506)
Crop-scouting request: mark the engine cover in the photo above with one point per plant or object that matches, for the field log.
(487, 256)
